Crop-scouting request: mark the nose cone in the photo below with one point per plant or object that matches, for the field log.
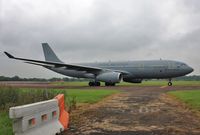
(189, 69)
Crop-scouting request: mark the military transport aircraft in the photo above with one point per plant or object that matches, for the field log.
(111, 72)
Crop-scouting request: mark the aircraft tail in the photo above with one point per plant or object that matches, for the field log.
(49, 54)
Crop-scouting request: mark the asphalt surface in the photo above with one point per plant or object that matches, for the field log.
(136, 111)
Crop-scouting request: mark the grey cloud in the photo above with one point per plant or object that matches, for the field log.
(100, 30)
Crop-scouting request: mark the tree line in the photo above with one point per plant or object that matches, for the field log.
(17, 78)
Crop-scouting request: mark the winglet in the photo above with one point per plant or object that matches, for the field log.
(9, 55)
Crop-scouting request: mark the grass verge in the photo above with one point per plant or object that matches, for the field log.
(191, 98)
(12, 97)
(5, 124)
(144, 83)
(89, 96)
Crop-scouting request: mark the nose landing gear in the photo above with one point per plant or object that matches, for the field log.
(170, 82)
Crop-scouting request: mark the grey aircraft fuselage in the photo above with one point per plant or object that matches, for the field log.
(152, 69)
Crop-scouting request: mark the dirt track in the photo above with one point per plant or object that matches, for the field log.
(136, 111)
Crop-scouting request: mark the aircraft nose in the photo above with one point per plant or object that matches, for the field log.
(189, 69)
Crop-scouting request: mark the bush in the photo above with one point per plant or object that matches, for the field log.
(8, 96)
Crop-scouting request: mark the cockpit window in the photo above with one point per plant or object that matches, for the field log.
(183, 64)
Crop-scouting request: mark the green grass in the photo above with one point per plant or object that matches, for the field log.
(89, 96)
(82, 96)
(70, 83)
(144, 83)
(5, 124)
(29, 95)
(191, 98)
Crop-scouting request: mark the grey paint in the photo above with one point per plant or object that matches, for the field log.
(49, 54)
(154, 69)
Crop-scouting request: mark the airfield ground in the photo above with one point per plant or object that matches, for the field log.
(137, 110)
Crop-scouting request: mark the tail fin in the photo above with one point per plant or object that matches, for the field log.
(49, 54)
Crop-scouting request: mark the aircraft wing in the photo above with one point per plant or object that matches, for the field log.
(94, 70)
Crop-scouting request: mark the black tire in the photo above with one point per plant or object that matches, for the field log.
(91, 83)
(107, 84)
(94, 83)
(98, 84)
(169, 83)
(113, 84)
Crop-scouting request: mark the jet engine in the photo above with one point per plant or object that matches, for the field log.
(132, 80)
(111, 77)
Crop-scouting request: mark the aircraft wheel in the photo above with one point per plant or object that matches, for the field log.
(112, 84)
(107, 84)
(91, 83)
(169, 83)
(97, 83)
(94, 83)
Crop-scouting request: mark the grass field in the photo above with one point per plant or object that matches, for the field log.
(89, 96)
(191, 98)
(144, 83)
(26, 95)
(5, 124)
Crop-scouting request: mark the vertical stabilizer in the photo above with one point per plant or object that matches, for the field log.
(49, 54)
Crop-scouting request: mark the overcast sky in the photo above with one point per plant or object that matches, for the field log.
(98, 30)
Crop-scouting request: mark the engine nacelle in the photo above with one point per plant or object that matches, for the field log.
(111, 77)
(132, 80)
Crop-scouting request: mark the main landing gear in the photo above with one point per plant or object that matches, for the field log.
(94, 84)
(170, 82)
(99, 84)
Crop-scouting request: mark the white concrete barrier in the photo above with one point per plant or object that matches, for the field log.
(41, 118)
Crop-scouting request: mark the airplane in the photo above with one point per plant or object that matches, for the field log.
(111, 72)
